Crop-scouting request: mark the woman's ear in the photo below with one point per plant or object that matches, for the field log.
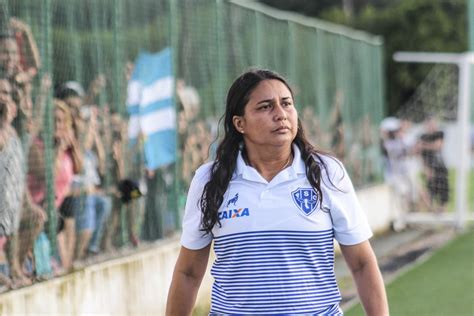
(238, 123)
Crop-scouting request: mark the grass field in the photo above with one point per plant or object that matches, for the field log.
(443, 285)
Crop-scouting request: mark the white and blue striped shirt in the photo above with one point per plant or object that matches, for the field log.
(274, 250)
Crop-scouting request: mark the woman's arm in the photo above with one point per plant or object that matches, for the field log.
(76, 153)
(363, 264)
(36, 161)
(40, 104)
(187, 277)
(33, 58)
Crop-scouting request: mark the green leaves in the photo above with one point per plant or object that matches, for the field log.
(406, 25)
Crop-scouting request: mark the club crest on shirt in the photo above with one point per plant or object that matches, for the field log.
(306, 199)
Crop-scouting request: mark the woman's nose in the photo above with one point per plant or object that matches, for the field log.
(279, 112)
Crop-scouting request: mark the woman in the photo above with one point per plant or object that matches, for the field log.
(28, 220)
(91, 218)
(12, 174)
(272, 204)
(68, 162)
(19, 64)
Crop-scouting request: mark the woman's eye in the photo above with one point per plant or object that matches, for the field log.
(264, 107)
(287, 103)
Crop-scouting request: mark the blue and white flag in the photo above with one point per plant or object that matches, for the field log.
(150, 103)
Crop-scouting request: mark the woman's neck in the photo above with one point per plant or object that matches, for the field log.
(269, 163)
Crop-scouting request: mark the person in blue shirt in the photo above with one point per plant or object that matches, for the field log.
(272, 205)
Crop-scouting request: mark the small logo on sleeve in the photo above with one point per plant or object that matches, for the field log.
(306, 199)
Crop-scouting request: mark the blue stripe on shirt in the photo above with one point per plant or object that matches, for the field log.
(272, 272)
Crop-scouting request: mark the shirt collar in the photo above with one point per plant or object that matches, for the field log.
(249, 173)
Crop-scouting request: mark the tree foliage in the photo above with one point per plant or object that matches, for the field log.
(406, 25)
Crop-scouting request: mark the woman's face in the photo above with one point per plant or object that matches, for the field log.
(61, 123)
(9, 57)
(5, 91)
(270, 117)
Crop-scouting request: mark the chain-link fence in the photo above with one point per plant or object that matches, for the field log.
(67, 64)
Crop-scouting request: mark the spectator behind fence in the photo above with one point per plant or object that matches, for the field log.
(32, 217)
(436, 174)
(93, 213)
(19, 63)
(397, 172)
(195, 137)
(67, 163)
(126, 166)
(91, 219)
(12, 173)
(418, 197)
(123, 187)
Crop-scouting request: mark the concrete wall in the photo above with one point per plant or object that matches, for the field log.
(379, 206)
(137, 284)
(132, 285)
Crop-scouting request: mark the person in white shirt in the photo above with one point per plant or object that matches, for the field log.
(272, 204)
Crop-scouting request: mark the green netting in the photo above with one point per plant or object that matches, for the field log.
(337, 75)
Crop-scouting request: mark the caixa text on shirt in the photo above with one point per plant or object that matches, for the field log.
(234, 213)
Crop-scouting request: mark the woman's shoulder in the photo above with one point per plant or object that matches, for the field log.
(203, 172)
(328, 161)
(331, 167)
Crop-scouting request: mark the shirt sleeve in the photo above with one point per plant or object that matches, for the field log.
(349, 221)
(192, 236)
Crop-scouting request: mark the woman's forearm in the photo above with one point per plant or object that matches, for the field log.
(187, 276)
(182, 294)
(371, 289)
(362, 262)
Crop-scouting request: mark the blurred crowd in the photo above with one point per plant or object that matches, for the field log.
(83, 157)
(414, 164)
(354, 142)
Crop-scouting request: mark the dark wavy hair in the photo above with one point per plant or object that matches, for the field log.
(228, 149)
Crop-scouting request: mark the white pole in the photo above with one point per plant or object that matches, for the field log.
(464, 150)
